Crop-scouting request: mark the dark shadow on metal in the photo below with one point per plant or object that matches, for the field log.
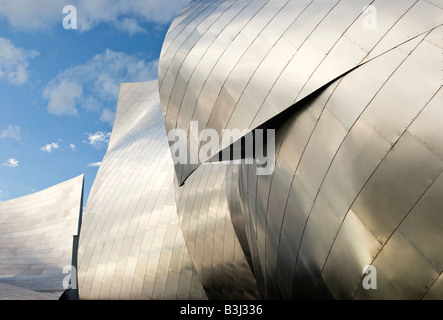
(72, 292)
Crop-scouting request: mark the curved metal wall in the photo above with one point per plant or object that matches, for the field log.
(142, 240)
(358, 159)
(36, 241)
(216, 252)
(356, 181)
(236, 64)
(131, 244)
(8, 292)
(353, 89)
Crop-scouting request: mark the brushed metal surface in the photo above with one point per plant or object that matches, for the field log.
(357, 178)
(131, 244)
(36, 241)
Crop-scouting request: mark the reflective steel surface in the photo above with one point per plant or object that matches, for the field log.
(236, 64)
(131, 244)
(36, 241)
(210, 237)
(354, 92)
(8, 292)
(142, 240)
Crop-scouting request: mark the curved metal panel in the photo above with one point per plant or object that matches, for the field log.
(8, 292)
(354, 187)
(358, 158)
(36, 240)
(209, 234)
(272, 54)
(435, 292)
(404, 273)
(131, 244)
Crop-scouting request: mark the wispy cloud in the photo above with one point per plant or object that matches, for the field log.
(63, 97)
(130, 25)
(12, 131)
(99, 139)
(96, 83)
(26, 15)
(14, 62)
(72, 146)
(3, 195)
(50, 147)
(12, 163)
(107, 116)
(95, 164)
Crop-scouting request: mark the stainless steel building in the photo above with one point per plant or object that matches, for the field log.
(348, 94)
(131, 244)
(353, 90)
(137, 240)
(37, 242)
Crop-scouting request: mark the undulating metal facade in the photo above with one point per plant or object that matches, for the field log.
(205, 218)
(349, 94)
(131, 245)
(236, 64)
(353, 90)
(37, 241)
(135, 243)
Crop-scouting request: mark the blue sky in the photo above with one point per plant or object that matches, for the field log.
(59, 87)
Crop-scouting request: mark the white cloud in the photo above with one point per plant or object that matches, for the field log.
(91, 104)
(13, 163)
(130, 25)
(91, 85)
(14, 62)
(11, 132)
(3, 195)
(26, 15)
(99, 139)
(72, 146)
(95, 164)
(107, 116)
(49, 147)
(63, 97)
